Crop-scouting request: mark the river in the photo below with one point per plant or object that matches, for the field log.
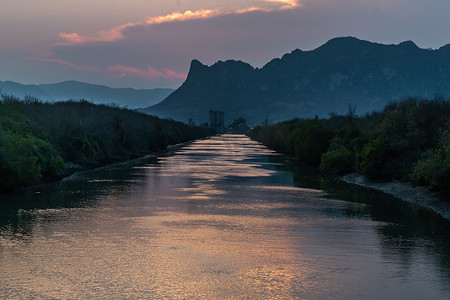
(222, 218)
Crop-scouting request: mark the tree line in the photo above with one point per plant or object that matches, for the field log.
(409, 140)
(45, 141)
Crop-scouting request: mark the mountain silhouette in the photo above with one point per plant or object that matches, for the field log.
(305, 83)
(99, 94)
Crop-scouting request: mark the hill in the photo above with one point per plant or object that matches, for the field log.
(99, 94)
(22, 90)
(304, 83)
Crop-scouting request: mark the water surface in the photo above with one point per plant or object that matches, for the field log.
(222, 218)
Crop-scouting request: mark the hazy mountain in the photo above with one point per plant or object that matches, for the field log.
(132, 98)
(22, 90)
(305, 83)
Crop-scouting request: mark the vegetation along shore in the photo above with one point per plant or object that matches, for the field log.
(42, 142)
(408, 141)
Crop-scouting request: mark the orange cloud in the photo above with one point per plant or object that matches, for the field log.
(285, 4)
(187, 15)
(74, 37)
(101, 36)
(149, 73)
(116, 33)
(249, 9)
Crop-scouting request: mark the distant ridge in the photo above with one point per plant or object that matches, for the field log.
(100, 94)
(304, 83)
(22, 90)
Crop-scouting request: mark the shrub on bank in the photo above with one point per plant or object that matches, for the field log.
(408, 140)
(36, 138)
(434, 169)
(311, 140)
(24, 158)
(338, 160)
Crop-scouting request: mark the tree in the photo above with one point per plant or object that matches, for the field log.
(311, 140)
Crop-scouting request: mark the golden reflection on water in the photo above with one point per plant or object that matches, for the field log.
(209, 222)
(148, 243)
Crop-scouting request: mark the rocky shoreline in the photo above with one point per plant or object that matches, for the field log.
(415, 194)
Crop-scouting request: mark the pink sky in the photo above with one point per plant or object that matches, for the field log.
(147, 44)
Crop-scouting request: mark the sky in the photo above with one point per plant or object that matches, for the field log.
(150, 44)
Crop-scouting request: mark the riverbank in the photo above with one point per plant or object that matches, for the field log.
(407, 140)
(420, 195)
(43, 141)
(171, 150)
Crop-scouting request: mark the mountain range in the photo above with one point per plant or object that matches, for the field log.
(343, 71)
(75, 90)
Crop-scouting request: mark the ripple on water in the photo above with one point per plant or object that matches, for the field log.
(220, 219)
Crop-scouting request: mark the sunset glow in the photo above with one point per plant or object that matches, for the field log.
(117, 32)
(149, 73)
(147, 44)
(225, 149)
(67, 63)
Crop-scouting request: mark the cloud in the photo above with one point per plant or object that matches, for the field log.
(117, 33)
(66, 63)
(149, 73)
(76, 50)
(118, 70)
(101, 36)
(285, 4)
(187, 15)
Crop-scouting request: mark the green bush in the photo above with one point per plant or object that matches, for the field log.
(50, 162)
(401, 142)
(37, 138)
(337, 160)
(311, 140)
(24, 159)
(372, 159)
(435, 169)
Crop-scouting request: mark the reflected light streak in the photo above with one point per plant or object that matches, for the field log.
(180, 237)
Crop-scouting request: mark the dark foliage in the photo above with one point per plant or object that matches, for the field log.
(37, 139)
(238, 126)
(408, 140)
